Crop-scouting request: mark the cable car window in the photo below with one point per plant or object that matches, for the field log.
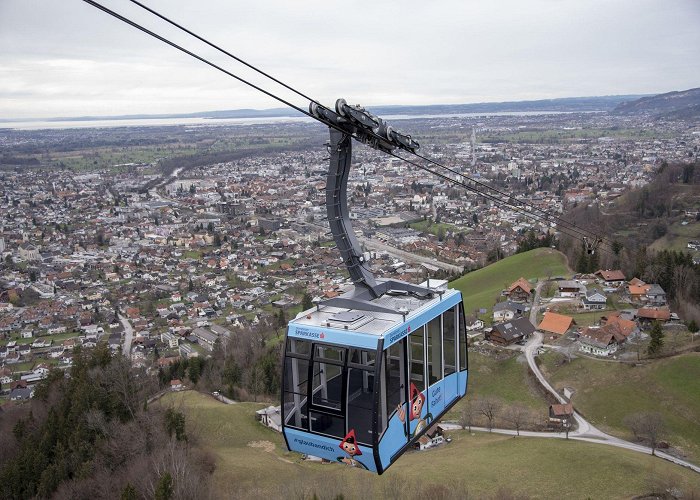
(300, 347)
(363, 358)
(295, 387)
(434, 351)
(360, 406)
(296, 375)
(448, 341)
(324, 423)
(327, 387)
(330, 353)
(416, 353)
(393, 383)
(462, 341)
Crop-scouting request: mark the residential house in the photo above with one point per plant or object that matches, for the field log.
(42, 369)
(570, 288)
(57, 352)
(432, 437)
(646, 315)
(507, 310)
(510, 332)
(21, 393)
(655, 295)
(636, 282)
(176, 385)
(612, 279)
(561, 414)
(594, 300)
(637, 291)
(519, 291)
(601, 341)
(627, 327)
(555, 323)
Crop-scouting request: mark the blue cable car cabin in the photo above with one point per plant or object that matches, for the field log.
(360, 387)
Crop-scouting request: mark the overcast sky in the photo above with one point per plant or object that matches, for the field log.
(66, 58)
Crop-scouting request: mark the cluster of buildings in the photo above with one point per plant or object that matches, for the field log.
(643, 304)
(145, 262)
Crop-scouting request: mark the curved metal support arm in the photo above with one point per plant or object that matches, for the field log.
(339, 214)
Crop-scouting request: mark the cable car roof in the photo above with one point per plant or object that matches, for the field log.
(362, 328)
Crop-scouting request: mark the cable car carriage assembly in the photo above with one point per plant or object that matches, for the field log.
(368, 372)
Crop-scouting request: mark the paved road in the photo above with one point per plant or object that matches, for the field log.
(372, 244)
(585, 430)
(574, 435)
(128, 336)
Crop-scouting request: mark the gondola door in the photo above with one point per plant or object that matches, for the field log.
(327, 391)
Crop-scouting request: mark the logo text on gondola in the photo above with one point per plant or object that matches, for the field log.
(303, 332)
(304, 442)
(399, 335)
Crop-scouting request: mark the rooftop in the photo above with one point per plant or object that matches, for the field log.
(555, 323)
(377, 324)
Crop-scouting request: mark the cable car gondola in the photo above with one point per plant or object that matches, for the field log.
(368, 372)
(376, 379)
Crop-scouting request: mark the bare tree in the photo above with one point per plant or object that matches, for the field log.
(489, 407)
(517, 415)
(652, 273)
(122, 379)
(466, 417)
(683, 280)
(648, 427)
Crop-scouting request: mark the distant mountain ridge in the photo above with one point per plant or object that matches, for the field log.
(570, 104)
(683, 104)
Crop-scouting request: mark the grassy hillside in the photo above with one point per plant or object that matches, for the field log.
(607, 392)
(252, 463)
(678, 236)
(481, 288)
(506, 379)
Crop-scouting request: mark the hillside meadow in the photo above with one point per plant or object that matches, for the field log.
(252, 462)
(606, 392)
(482, 288)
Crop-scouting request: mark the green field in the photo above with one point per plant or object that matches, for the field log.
(507, 379)
(482, 288)
(252, 463)
(677, 237)
(607, 392)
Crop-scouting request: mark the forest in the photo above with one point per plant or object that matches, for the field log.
(90, 432)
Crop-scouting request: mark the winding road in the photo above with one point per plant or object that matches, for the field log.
(585, 431)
